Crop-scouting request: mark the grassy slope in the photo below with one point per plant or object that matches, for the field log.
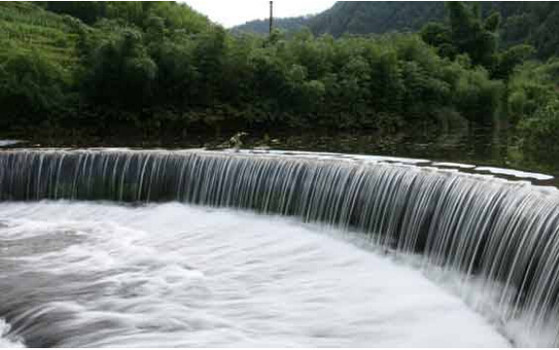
(26, 28)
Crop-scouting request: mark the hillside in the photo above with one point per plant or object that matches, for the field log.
(533, 22)
(48, 55)
(177, 16)
(262, 26)
(356, 17)
(26, 28)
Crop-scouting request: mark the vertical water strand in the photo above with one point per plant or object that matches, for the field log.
(217, 183)
(123, 177)
(335, 196)
(288, 194)
(58, 178)
(390, 190)
(210, 177)
(249, 180)
(144, 158)
(524, 245)
(48, 178)
(81, 176)
(3, 164)
(542, 301)
(197, 173)
(466, 228)
(113, 178)
(312, 174)
(349, 205)
(251, 190)
(410, 224)
(438, 221)
(316, 188)
(183, 163)
(535, 270)
(457, 204)
(271, 188)
(379, 193)
(242, 188)
(401, 204)
(90, 175)
(497, 248)
(471, 228)
(28, 166)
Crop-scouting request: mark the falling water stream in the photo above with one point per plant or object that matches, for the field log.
(134, 266)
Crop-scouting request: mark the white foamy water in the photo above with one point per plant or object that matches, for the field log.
(101, 275)
(5, 143)
(6, 342)
(515, 173)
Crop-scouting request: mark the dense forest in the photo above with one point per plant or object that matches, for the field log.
(158, 69)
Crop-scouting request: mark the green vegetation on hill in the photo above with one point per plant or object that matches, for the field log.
(368, 17)
(26, 28)
(523, 22)
(262, 26)
(39, 60)
(158, 69)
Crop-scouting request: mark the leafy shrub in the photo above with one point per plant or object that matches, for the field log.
(541, 131)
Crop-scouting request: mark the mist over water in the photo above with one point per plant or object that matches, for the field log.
(77, 274)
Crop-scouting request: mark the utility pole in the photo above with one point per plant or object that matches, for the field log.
(271, 16)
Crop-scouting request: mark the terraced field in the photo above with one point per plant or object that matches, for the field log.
(26, 28)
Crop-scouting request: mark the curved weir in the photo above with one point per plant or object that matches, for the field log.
(501, 235)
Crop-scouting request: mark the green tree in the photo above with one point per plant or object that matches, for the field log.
(506, 61)
(122, 73)
(31, 87)
(540, 131)
(470, 35)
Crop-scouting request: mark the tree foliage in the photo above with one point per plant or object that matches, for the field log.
(159, 68)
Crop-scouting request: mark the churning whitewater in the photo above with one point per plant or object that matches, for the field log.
(102, 275)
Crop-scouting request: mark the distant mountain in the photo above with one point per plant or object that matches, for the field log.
(263, 26)
(357, 17)
(365, 17)
(533, 22)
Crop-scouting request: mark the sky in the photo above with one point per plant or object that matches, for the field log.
(230, 13)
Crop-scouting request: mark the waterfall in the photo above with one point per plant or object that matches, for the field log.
(504, 234)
